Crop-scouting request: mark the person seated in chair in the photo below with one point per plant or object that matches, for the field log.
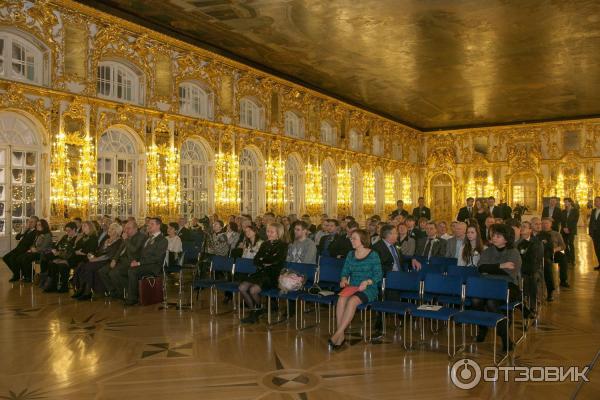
(151, 260)
(269, 262)
(114, 275)
(88, 280)
(63, 249)
(362, 269)
(26, 239)
(42, 243)
(502, 261)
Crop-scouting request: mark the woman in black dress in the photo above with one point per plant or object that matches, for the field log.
(481, 214)
(87, 272)
(269, 262)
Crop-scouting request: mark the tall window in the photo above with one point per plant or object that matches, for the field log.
(195, 101)
(379, 191)
(328, 134)
(251, 114)
(20, 59)
(194, 179)
(356, 190)
(248, 182)
(354, 140)
(116, 178)
(293, 180)
(115, 81)
(397, 151)
(377, 146)
(328, 176)
(294, 125)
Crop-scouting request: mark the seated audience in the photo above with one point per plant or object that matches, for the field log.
(218, 243)
(302, 249)
(115, 275)
(362, 270)
(175, 247)
(26, 239)
(331, 227)
(41, 244)
(151, 259)
(442, 229)
(88, 280)
(431, 245)
(472, 248)
(455, 244)
(251, 244)
(269, 262)
(407, 244)
(341, 245)
(389, 255)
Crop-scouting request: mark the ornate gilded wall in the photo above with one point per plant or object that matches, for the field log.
(563, 158)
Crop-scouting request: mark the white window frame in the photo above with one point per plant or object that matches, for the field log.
(194, 177)
(377, 146)
(328, 133)
(354, 140)
(107, 86)
(251, 114)
(248, 182)
(33, 58)
(328, 188)
(294, 125)
(293, 181)
(195, 101)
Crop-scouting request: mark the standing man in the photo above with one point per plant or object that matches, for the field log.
(558, 247)
(151, 260)
(495, 211)
(466, 212)
(421, 211)
(569, 220)
(400, 209)
(553, 211)
(594, 227)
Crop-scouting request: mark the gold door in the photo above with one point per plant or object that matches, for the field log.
(441, 198)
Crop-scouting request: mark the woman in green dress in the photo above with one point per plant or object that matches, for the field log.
(362, 269)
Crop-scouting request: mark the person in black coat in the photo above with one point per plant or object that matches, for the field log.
(399, 210)
(26, 239)
(421, 211)
(389, 254)
(341, 245)
(532, 256)
(467, 212)
(568, 230)
(151, 260)
(495, 211)
(553, 211)
(594, 229)
(431, 245)
(269, 261)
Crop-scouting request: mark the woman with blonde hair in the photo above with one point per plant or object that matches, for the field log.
(269, 262)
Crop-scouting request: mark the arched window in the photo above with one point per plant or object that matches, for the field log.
(328, 133)
(379, 191)
(354, 140)
(116, 169)
(293, 185)
(328, 182)
(356, 191)
(248, 182)
(397, 151)
(251, 114)
(118, 82)
(377, 146)
(194, 179)
(195, 101)
(294, 125)
(20, 59)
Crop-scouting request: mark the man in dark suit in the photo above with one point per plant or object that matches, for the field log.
(413, 231)
(431, 245)
(151, 260)
(594, 229)
(331, 227)
(495, 211)
(466, 212)
(184, 233)
(487, 233)
(26, 239)
(553, 211)
(421, 211)
(400, 209)
(506, 210)
(389, 254)
(569, 220)
(115, 274)
(341, 245)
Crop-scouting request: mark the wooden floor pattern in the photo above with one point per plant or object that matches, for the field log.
(52, 347)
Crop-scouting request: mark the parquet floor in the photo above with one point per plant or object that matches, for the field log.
(52, 347)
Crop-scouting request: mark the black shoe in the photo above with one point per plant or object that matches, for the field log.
(251, 319)
(85, 297)
(565, 285)
(339, 346)
(77, 294)
(27, 280)
(13, 279)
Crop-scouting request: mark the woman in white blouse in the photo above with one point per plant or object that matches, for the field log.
(471, 251)
(175, 247)
(251, 242)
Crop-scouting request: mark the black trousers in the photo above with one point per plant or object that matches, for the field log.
(563, 266)
(58, 275)
(11, 257)
(22, 264)
(530, 288)
(596, 241)
(493, 306)
(569, 239)
(549, 275)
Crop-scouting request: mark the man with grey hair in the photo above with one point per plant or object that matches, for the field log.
(389, 254)
(455, 244)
